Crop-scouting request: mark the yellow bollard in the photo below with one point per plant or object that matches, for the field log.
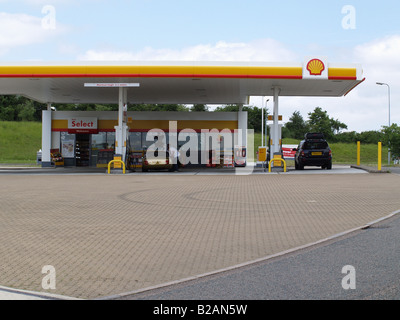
(279, 160)
(358, 153)
(116, 161)
(379, 156)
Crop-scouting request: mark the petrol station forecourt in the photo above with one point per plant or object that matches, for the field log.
(161, 83)
(137, 232)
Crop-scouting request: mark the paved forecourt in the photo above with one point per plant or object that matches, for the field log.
(111, 234)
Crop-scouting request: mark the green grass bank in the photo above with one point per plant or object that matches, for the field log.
(19, 142)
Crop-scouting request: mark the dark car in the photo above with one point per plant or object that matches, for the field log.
(313, 151)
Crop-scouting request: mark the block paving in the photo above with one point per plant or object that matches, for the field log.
(110, 234)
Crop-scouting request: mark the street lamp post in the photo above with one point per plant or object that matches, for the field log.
(266, 125)
(385, 84)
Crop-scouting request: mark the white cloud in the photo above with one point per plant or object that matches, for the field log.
(19, 29)
(381, 60)
(381, 63)
(384, 52)
(22, 30)
(260, 50)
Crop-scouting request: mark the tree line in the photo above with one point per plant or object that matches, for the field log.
(319, 121)
(19, 108)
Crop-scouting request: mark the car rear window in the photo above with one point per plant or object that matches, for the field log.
(315, 145)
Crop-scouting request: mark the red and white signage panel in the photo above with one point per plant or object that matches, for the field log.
(82, 125)
(287, 150)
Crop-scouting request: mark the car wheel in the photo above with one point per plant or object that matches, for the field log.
(329, 166)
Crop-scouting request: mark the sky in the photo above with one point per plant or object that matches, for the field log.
(350, 31)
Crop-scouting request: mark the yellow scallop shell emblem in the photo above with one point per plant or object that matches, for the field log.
(316, 67)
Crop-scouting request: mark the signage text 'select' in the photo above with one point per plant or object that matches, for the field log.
(82, 125)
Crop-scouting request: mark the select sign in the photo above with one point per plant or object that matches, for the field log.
(82, 125)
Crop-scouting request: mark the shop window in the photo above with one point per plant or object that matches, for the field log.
(102, 148)
(110, 140)
(189, 147)
(135, 141)
(149, 138)
(217, 144)
(99, 141)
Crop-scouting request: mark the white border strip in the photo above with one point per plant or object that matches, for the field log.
(32, 295)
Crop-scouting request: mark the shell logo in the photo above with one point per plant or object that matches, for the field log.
(315, 67)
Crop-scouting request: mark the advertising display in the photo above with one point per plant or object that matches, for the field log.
(68, 148)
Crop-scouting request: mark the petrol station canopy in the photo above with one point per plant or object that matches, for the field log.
(177, 82)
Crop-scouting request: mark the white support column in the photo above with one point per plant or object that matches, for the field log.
(46, 138)
(242, 126)
(121, 131)
(262, 122)
(275, 127)
(240, 138)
